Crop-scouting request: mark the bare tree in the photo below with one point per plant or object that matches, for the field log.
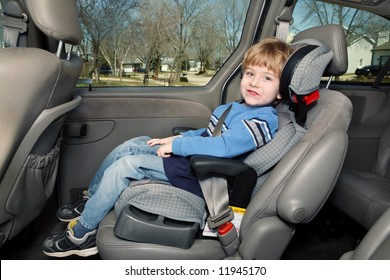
(116, 47)
(357, 24)
(99, 17)
(205, 39)
(155, 34)
(231, 16)
(184, 12)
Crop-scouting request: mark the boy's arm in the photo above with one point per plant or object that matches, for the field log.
(240, 138)
(196, 132)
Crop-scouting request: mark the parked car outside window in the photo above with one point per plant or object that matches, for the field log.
(369, 70)
(105, 70)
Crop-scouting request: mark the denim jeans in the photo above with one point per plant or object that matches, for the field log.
(132, 160)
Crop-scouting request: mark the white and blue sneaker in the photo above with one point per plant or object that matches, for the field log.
(73, 210)
(66, 244)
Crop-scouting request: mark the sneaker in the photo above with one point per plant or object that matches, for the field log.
(66, 244)
(73, 210)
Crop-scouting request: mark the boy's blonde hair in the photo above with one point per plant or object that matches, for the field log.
(271, 53)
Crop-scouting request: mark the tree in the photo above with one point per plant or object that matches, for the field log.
(205, 39)
(183, 12)
(116, 47)
(155, 34)
(99, 18)
(357, 24)
(231, 16)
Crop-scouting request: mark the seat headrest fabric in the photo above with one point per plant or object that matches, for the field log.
(303, 70)
(333, 36)
(58, 19)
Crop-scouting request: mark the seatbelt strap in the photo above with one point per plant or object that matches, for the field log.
(381, 74)
(283, 22)
(14, 22)
(215, 192)
(218, 127)
(214, 188)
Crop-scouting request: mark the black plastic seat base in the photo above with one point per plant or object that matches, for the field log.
(137, 225)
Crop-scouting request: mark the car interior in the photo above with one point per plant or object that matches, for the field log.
(318, 191)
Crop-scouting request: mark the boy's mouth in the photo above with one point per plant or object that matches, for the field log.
(251, 92)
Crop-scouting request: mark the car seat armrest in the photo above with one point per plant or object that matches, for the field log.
(208, 164)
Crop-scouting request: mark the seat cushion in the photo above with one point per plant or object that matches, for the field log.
(163, 199)
(362, 195)
(112, 247)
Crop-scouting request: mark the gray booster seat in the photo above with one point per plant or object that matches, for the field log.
(159, 213)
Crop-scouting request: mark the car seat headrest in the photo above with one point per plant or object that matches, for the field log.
(303, 70)
(58, 19)
(333, 36)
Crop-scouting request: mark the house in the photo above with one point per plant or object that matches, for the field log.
(131, 65)
(359, 55)
(380, 54)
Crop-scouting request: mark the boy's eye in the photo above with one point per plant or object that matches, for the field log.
(248, 73)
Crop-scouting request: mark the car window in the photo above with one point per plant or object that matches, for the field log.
(367, 36)
(158, 42)
(1, 34)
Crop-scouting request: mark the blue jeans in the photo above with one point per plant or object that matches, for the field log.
(132, 160)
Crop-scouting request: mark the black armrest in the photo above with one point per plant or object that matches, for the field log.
(241, 177)
(224, 166)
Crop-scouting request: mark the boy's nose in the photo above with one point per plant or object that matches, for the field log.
(255, 82)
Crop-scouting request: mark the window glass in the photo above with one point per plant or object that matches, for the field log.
(158, 42)
(367, 36)
(1, 34)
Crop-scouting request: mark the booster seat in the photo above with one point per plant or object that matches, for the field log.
(151, 218)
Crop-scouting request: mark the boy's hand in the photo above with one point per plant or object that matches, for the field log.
(165, 150)
(166, 145)
(161, 141)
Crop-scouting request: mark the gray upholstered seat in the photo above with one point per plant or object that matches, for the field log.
(375, 245)
(288, 195)
(365, 195)
(36, 91)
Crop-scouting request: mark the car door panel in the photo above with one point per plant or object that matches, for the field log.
(106, 119)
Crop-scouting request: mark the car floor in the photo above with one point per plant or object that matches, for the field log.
(28, 244)
(327, 237)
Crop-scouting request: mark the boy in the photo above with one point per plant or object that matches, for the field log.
(250, 124)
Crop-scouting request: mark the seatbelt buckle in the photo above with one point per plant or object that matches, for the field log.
(223, 217)
(14, 22)
(228, 237)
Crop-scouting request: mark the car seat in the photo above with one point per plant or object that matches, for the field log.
(289, 190)
(362, 194)
(36, 91)
(375, 245)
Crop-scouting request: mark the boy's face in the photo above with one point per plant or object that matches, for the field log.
(259, 86)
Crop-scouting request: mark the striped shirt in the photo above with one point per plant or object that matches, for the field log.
(244, 130)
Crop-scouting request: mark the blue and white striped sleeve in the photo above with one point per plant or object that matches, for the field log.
(260, 131)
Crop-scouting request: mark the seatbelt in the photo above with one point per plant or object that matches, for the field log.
(215, 192)
(218, 127)
(283, 22)
(214, 188)
(381, 74)
(14, 23)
